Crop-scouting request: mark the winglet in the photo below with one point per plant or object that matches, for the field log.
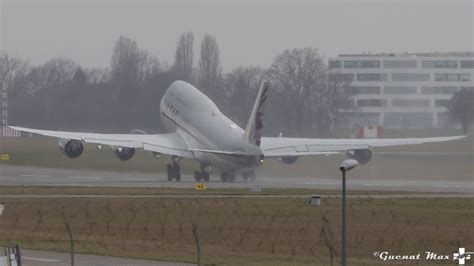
(253, 130)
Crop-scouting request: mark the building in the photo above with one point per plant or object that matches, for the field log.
(402, 90)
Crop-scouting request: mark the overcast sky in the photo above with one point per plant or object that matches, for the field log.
(248, 32)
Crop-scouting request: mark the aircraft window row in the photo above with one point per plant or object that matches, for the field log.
(174, 111)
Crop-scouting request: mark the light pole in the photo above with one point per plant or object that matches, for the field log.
(346, 165)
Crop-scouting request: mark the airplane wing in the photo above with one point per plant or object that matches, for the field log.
(279, 147)
(170, 143)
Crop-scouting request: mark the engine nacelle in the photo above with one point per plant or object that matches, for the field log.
(123, 153)
(362, 156)
(72, 148)
(288, 159)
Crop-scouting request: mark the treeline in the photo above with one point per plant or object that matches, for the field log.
(60, 94)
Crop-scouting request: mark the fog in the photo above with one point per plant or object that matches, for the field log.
(248, 32)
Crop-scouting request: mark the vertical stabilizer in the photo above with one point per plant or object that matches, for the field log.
(253, 130)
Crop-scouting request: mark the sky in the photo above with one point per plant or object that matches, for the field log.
(248, 32)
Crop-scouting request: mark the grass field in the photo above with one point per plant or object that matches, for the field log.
(234, 231)
(241, 231)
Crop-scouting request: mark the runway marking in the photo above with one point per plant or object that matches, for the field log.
(87, 177)
(35, 176)
(40, 259)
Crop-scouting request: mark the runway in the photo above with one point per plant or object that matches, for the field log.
(39, 258)
(38, 176)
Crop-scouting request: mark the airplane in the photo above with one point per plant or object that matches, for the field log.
(200, 131)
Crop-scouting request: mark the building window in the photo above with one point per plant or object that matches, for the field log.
(440, 64)
(341, 77)
(438, 90)
(335, 64)
(413, 103)
(407, 120)
(467, 64)
(366, 89)
(371, 103)
(399, 90)
(410, 77)
(452, 77)
(360, 119)
(348, 104)
(442, 102)
(361, 64)
(371, 77)
(399, 64)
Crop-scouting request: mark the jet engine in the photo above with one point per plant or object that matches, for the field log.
(157, 155)
(288, 159)
(123, 153)
(72, 148)
(363, 156)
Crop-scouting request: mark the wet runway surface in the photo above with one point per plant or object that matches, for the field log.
(36, 257)
(37, 176)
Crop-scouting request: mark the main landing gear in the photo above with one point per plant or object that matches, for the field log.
(173, 169)
(249, 176)
(227, 177)
(202, 175)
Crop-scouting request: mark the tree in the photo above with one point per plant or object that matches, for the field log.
(13, 72)
(330, 99)
(79, 78)
(131, 68)
(183, 59)
(298, 75)
(241, 86)
(97, 75)
(307, 100)
(124, 68)
(148, 66)
(58, 70)
(210, 71)
(461, 108)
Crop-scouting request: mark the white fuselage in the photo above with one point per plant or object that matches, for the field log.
(185, 109)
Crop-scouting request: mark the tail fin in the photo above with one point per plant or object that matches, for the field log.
(253, 130)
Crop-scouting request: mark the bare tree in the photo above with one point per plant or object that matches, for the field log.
(305, 96)
(461, 108)
(131, 68)
(97, 75)
(210, 71)
(12, 71)
(79, 79)
(148, 66)
(183, 59)
(241, 86)
(59, 70)
(328, 101)
(124, 68)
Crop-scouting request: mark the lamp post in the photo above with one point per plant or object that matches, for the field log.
(346, 165)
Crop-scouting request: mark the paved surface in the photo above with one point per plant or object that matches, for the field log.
(35, 257)
(37, 176)
(375, 196)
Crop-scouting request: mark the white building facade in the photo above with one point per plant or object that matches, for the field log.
(402, 90)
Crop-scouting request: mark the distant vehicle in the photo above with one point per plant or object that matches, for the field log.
(204, 134)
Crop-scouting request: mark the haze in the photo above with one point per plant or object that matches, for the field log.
(248, 33)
